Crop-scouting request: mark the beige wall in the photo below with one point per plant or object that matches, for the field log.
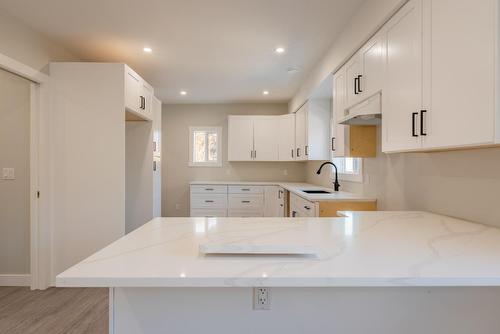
(20, 42)
(176, 174)
(14, 194)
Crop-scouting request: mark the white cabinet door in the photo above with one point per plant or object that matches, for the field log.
(274, 202)
(354, 73)
(146, 97)
(132, 90)
(265, 138)
(462, 45)
(301, 132)
(402, 97)
(286, 141)
(339, 104)
(240, 138)
(373, 62)
(156, 158)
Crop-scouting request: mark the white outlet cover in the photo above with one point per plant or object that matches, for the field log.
(8, 174)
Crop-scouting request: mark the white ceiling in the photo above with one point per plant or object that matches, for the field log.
(216, 50)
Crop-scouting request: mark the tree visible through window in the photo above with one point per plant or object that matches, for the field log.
(205, 146)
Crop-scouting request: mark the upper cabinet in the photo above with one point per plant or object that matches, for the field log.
(437, 74)
(312, 130)
(252, 138)
(138, 96)
(286, 137)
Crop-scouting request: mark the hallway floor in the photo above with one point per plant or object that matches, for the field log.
(54, 311)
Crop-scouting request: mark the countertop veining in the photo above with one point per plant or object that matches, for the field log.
(362, 249)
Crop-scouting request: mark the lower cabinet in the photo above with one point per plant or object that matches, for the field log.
(208, 201)
(300, 207)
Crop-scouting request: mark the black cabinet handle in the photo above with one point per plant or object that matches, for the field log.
(294, 213)
(245, 201)
(356, 85)
(422, 133)
(292, 153)
(298, 152)
(306, 149)
(245, 189)
(154, 166)
(307, 207)
(359, 83)
(333, 144)
(209, 189)
(209, 201)
(413, 115)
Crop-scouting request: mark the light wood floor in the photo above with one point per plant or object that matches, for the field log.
(54, 311)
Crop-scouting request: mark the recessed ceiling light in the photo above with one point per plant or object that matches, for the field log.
(292, 70)
(183, 92)
(266, 92)
(279, 49)
(147, 49)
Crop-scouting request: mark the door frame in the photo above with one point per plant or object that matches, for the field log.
(40, 231)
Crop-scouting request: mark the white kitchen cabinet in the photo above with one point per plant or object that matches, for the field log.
(300, 207)
(138, 96)
(253, 138)
(354, 72)
(312, 131)
(265, 138)
(286, 137)
(403, 95)
(156, 107)
(339, 104)
(274, 201)
(208, 201)
(240, 138)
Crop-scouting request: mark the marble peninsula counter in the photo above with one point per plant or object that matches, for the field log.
(398, 272)
(361, 249)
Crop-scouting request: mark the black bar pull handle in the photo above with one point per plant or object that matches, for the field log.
(413, 132)
(359, 83)
(356, 86)
(422, 133)
(333, 144)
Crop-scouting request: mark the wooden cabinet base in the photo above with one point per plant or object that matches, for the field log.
(330, 209)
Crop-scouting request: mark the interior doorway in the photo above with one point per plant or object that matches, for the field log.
(15, 179)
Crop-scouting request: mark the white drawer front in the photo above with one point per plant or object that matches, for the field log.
(216, 201)
(208, 213)
(209, 189)
(246, 189)
(302, 207)
(250, 201)
(244, 213)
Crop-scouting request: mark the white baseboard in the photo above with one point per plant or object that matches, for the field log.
(15, 280)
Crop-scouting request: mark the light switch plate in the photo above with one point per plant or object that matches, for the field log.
(8, 174)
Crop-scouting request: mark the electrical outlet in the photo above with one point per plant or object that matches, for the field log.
(261, 298)
(8, 174)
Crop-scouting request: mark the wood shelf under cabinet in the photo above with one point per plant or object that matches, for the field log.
(361, 141)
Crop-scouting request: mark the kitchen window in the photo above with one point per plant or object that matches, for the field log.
(205, 146)
(349, 169)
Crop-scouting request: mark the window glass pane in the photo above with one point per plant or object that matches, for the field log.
(212, 146)
(349, 165)
(199, 150)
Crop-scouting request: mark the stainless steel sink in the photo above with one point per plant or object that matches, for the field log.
(317, 192)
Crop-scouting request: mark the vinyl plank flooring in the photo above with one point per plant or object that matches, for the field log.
(55, 310)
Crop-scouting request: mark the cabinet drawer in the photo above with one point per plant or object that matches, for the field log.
(244, 213)
(246, 189)
(244, 201)
(208, 189)
(218, 201)
(303, 207)
(208, 213)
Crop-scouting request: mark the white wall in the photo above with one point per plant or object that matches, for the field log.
(176, 174)
(14, 194)
(20, 42)
(370, 16)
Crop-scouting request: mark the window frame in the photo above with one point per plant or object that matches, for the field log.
(349, 177)
(218, 131)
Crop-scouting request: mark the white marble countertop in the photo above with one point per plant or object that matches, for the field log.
(297, 188)
(361, 249)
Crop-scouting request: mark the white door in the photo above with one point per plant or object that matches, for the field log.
(286, 140)
(373, 62)
(402, 97)
(301, 132)
(240, 138)
(265, 138)
(132, 90)
(338, 105)
(354, 75)
(462, 107)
